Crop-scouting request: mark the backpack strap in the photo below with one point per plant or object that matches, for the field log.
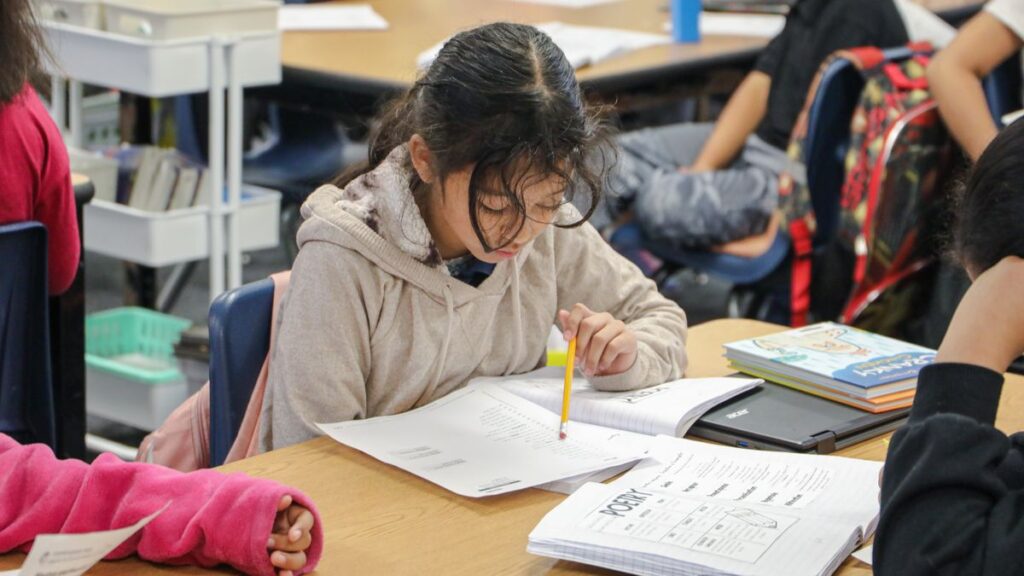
(866, 57)
(800, 281)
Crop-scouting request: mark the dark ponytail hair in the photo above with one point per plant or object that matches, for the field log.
(504, 98)
(990, 213)
(20, 47)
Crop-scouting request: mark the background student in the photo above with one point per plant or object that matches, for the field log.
(35, 174)
(953, 486)
(452, 253)
(955, 74)
(258, 526)
(701, 185)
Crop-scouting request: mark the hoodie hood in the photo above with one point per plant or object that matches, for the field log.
(377, 216)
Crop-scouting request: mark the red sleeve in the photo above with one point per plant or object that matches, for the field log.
(213, 518)
(55, 208)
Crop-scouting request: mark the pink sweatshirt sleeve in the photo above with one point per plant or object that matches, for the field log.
(213, 518)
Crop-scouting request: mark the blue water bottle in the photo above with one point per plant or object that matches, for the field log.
(686, 20)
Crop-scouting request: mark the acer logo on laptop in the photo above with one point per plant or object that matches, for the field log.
(737, 414)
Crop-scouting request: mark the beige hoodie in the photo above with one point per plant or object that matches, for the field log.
(373, 324)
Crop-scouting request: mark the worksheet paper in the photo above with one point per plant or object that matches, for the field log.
(330, 17)
(727, 24)
(481, 442)
(699, 508)
(73, 554)
(1012, 117)
(669, 408)
(628, 442)
(737, 476)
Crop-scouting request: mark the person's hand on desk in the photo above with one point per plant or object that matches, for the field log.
(291, 538)
(604, 345)
(988, 327)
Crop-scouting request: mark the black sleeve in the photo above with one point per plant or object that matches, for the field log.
(953, 486)
(772, 54)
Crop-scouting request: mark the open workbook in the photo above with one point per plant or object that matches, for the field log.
(697, 508)
(669, 408)
(486, 439)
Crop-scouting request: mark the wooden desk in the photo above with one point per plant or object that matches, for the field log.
(381, 520)
(377, 62)
(383, 61)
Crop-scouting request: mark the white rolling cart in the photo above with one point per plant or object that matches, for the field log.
(151, 48)
(130, 58)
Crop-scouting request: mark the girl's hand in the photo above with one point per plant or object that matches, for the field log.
(988, 326)
(291, 537)
(604, 345)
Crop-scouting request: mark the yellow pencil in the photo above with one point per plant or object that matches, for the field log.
(567, 389)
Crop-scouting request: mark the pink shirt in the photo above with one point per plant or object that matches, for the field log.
(35, 182)
(213, 518)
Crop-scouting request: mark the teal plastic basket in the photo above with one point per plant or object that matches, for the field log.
(134, 331)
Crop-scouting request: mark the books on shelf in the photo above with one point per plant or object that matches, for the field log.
(699, 508)
(145, 171)
(496, 436)
(157, 179)
(185, 188)
(844, 364)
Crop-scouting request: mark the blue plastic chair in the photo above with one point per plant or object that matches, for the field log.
(239, 342)
(27, 411)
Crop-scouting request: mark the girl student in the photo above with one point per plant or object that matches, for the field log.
(452, 252)
(953, 486)
(35, 173)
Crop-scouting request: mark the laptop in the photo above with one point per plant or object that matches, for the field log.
(774, 417)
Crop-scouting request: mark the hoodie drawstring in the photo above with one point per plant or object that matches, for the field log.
(517, 317)
(442, 357)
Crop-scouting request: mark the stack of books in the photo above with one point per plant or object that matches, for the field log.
(158, 179)
(871, 372)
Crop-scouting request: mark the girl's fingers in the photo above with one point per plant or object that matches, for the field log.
(302, 522)
(563, 321)
(590, 326)
(616, 348)
(288, 560)
(284, 542)
(599, 343)
(284, 503)
(576, 316)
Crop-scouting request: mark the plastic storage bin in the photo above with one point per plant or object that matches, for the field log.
(85, 13)
(165, 238)
(173, 19)
(156, 68)
(132, 376)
